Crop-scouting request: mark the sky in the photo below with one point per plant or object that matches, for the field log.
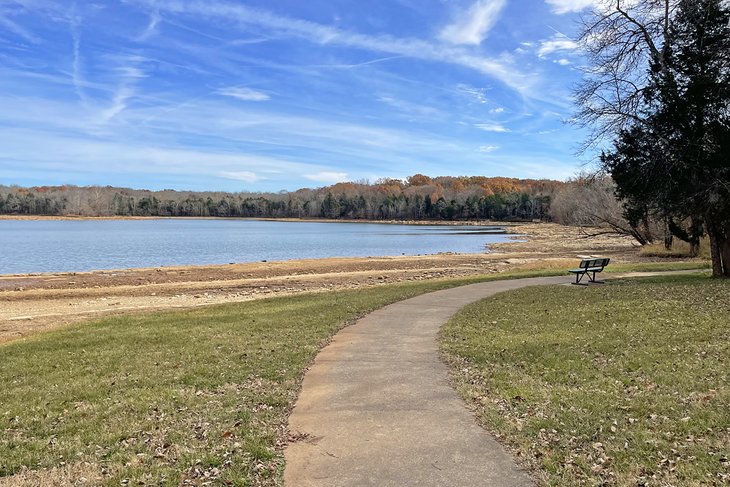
(270, 95)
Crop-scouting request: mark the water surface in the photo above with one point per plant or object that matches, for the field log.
(30, 246)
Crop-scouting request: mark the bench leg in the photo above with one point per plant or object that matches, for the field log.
(594, 279)
(578, 278)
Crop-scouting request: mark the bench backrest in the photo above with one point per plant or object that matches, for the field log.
(588, 263)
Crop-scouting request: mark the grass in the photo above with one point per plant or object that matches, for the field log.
(622, 384)
(558, 266)
(679, 249)
(658, 266)
(172, 398)
(169, 398)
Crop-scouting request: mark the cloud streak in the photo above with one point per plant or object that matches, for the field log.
(409, 108)
(18, 30)
(129, 75)
(245, 176)
(151, 28)
(491, 127)
(327, 177)
(567, 6)
(242, 93)
(498, 68)
(69, 153)
(477, 94)
(557, 43)
(76, 69)
(472, 26)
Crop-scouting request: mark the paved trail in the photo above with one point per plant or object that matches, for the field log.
(377, 407)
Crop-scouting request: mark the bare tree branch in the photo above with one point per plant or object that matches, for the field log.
(622, 43)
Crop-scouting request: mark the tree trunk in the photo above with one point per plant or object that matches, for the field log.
(694, 248)
(634, 232)
(668, 237)
(716, 257)
(725, 256)
(715, 251)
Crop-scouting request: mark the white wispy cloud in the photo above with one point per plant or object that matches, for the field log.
(151, 28)
(499, 68)
(491, 127)
(165, 122)
(75, 154)
(408, 107)
(119, 103)
(148, 139)
(76, 66)
(128, 76)
(557, 43)
(245, 176)
(242, 93)
(478, 94)
(567, 6)
(327, 177)
(18, 30)
(563, 62)
(472, 26)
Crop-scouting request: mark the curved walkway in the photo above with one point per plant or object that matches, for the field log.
(376, 407)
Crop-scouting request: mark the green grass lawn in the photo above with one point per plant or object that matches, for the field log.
(163, 398)
(174, 397)
(622, 384)
(171, 397)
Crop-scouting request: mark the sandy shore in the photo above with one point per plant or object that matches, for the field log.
(33, 303)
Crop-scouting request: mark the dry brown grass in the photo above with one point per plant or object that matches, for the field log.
(679, 250)
(76, 474)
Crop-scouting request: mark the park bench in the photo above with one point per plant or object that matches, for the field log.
(589, 267)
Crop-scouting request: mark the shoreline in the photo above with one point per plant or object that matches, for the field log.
(528, 233)
(506, 227)
(485, 223)
(195, 267)
(42, 301)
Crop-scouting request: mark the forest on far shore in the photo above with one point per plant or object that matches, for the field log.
(418, 197)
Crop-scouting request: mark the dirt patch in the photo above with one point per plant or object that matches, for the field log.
(33, 303)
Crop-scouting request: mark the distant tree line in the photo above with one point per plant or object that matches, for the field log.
(417, 197)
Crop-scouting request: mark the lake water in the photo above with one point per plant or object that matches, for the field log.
(30, 246)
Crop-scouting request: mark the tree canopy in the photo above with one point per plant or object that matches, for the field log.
(671, 150)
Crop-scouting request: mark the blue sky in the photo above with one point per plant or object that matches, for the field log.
(281, 94)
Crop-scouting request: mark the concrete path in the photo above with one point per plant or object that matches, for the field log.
(376, 407)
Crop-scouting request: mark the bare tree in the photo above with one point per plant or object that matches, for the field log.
(589, 200)
(623, 40)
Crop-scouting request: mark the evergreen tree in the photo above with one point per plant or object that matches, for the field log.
(674, 162)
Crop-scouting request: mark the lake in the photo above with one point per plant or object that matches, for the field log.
(30, 246)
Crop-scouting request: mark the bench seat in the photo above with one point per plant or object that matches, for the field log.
(589, 267)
